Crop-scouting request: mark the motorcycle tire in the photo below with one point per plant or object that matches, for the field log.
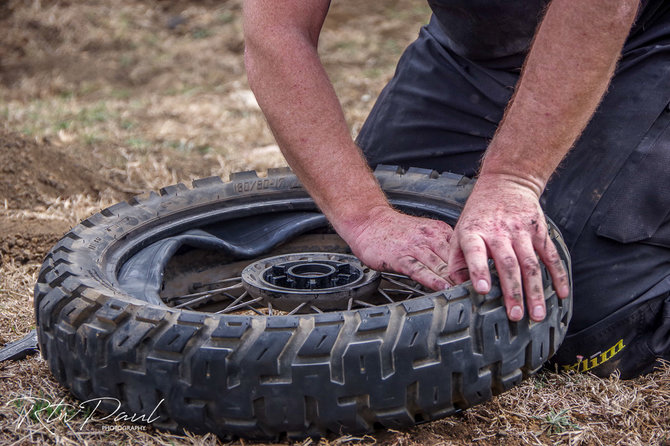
(273, 376)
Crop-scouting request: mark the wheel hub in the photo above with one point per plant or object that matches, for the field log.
(325, 281)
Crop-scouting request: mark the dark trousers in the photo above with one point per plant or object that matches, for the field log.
(610, 196)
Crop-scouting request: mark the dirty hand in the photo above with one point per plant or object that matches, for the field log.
(417, 247)
(503, 220)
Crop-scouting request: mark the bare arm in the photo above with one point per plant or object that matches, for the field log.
(306, 118)
(299, 102)
(565, 76)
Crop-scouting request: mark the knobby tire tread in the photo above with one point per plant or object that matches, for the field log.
(268, 377)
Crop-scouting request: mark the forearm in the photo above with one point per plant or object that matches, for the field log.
(306, 118)
(565, 76)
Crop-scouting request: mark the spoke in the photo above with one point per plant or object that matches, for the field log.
(385, 295)
(315, 309)
(399, 276)
(350, 303)
(247, 304)
(404, 285)
(204, 293)
(235, 302)
(296, 309)
(269, 308)
(230, 296)
(218, 282)
(206, 297)
(243, 304)
(396, 290)
(365, 304)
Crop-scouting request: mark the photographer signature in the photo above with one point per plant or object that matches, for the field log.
(47, 412)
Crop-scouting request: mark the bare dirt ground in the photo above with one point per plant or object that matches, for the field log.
(102, 100)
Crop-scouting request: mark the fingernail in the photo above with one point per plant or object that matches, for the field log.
(516, 313)
(565, 290)
(538, 312)
(482, 286)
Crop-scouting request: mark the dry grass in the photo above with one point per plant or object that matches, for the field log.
(16, 300)
(116, 80)
(157, 104)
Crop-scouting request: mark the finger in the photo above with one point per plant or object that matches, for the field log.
(510, 277)
(476, 258)
(434, 251)
(548, 253)
(419, 272)
(425, 255)
(458, 268)
(531, 274)
(437, 237)
(441, 250)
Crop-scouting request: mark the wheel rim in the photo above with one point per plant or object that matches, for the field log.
(247, 292)
(224, 292)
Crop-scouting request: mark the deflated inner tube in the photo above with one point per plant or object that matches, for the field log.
(233, 308)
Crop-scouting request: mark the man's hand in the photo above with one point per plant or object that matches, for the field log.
(503, 220)
(567, 71)
(417, 247)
